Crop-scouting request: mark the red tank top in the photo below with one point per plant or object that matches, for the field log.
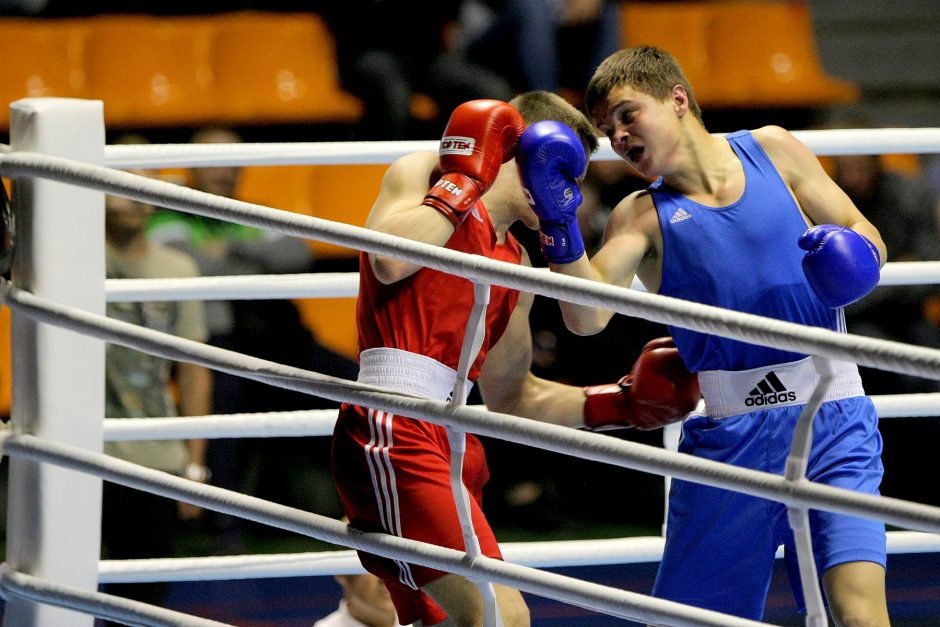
(427, 312)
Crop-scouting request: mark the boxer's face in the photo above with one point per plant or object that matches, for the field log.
(642, 130)
(123, 215)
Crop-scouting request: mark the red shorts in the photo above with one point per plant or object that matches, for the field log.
(393, 476)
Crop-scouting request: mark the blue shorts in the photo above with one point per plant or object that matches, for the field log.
(720, 544)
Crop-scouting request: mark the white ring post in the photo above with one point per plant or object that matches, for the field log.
(58, 390)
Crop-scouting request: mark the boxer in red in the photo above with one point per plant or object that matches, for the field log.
(393, 472)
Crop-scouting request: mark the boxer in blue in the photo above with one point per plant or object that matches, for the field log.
(749, 222)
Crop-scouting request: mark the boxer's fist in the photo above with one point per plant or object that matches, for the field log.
(551, 159)
(480, 136)
(658, 391)
(841, 265)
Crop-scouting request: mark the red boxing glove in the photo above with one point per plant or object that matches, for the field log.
(658, 391)
(481, 135)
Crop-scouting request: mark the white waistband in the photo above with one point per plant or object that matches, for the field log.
(408, 373)
(728, 393)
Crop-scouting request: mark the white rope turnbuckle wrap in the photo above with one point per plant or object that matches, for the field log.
(791, 489)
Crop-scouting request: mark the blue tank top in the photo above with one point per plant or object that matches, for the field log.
(743, 256)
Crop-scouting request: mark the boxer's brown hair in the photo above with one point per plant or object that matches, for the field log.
(651, 70)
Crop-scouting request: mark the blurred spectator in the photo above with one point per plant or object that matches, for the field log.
(22, 7)
(135, 523)
(270, 329)
(69, 8)
(385, 67)
(552, 45)
(225, 248)
(905, 212)
(931, 164)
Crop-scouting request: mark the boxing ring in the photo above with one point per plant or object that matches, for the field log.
(61, 170)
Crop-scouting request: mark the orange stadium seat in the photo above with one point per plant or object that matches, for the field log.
(248, 67)
(282, 187)
(740, 54)
(766, 56)
(333, 322)
(341, 193)
(42, 59)
(150, 71)
(279, 67)
(681, 29)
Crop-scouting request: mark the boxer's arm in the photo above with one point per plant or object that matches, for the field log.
(511, 388)
(628, 250)
(658, 390)
(823, 201)
(398, 210)
(480, 136)
(508, 386)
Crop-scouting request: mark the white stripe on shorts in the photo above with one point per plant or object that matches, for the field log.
(378, 457)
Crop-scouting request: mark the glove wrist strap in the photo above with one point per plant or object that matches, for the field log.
(453, 195)
(561, 243)
(602, 403)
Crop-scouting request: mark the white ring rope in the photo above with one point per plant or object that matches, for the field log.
(585, 445)
(241, 287)
(317, 422)
(150, 156)
(910, 273)
(346, 284)
(907, 405)
(632, 550)
(821, 142)
(628, 605)
(895, 356)
(301, 423)
(95, 603)
(554, 554)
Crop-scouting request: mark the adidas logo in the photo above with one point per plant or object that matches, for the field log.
(680, 215)
(769, 391)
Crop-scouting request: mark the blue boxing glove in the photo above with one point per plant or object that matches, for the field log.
(841, 265)
(551, 159)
